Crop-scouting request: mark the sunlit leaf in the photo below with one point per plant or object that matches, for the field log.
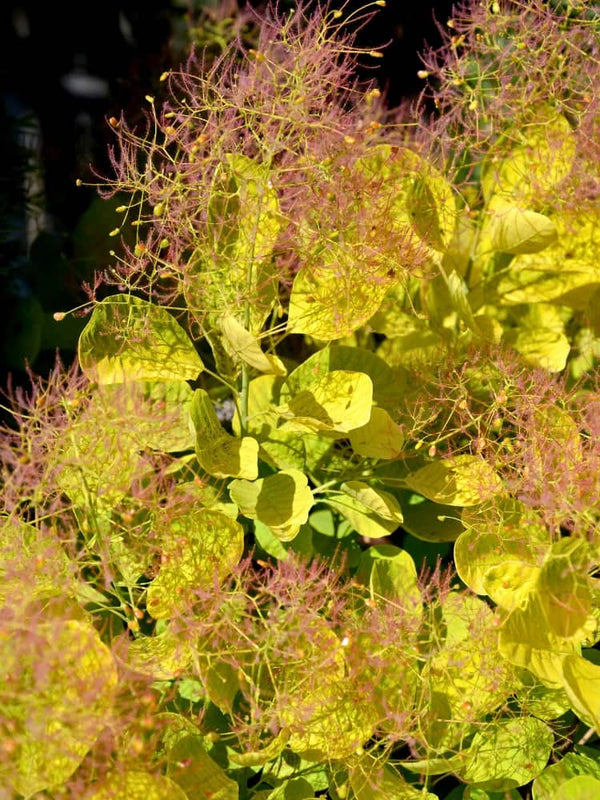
(456, 481)
(390, 572)
(199, 547)
(163, 657)
(574, 777)
(543, 347)
(268, 753)
(136, 785)
(129, 339)
(53, 715)
(526, 640)
(281, 501)
(564, 587)
(363, 518)
(507, 753)
(370, 781)
(337, 403)
(191, 768)
(381, 437)
(332, 301)
(155, 414)
(389, 384)
(539, 156)
(581, 680)
(242, 345)
(220, 453)
(513, 230)
(504, 531)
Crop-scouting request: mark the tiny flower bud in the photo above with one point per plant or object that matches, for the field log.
(120, 209)
(423, 73)
(78, 182)
(149, 98)
(164, 76)
(349, 139)
(450, 23)
(375, 54)
(381, 3)
(158, 209)
(59, 316)
(115, 232)
(164, 243)
(170, 130)
(140, 248)
(337, 14)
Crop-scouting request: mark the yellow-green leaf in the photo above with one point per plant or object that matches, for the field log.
(513, 230)
(381, 437)
(543, 347)
(527, 640)
(198, 547)
(504, 531)
(581, 681)
(63, 681)
(370, 782)
(507, 753)
(136, 785)
(333, 300)
(538, 157)
(163, 657)
(381, 503)
(337, 403)
(281, 501)
(219, 453)
(129, 339)
(243, 346)
(456, 481)
(191, 768)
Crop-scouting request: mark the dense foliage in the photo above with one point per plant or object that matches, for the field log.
(316, 513)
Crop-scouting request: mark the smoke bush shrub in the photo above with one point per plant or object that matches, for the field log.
(343, 338)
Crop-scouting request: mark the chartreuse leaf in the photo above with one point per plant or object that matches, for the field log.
(507, 753)
(293, 789)
(198, 547)
(129, 339)
(136, 785)
(323, 715)
(336, 403)
(219, 453)
(544, 347)
(467, 669)
(581, 681)
(191, 768)
(565, 587)
(234, 265)
(539, 700)
(371, 512)
(527, 640)
(566, 779)
(369, 781)
(514, 230)
(389, 571)
(565, 273)
(416, 193)
(389, 385)
(154, 413)
(257, 758)
(163, 656)
(243, 346)
(281, 501)
(538, 157)
(53, 715)
(502, 755)
(462, 480)
(334, 299)
(381, 437)
(502, 533)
